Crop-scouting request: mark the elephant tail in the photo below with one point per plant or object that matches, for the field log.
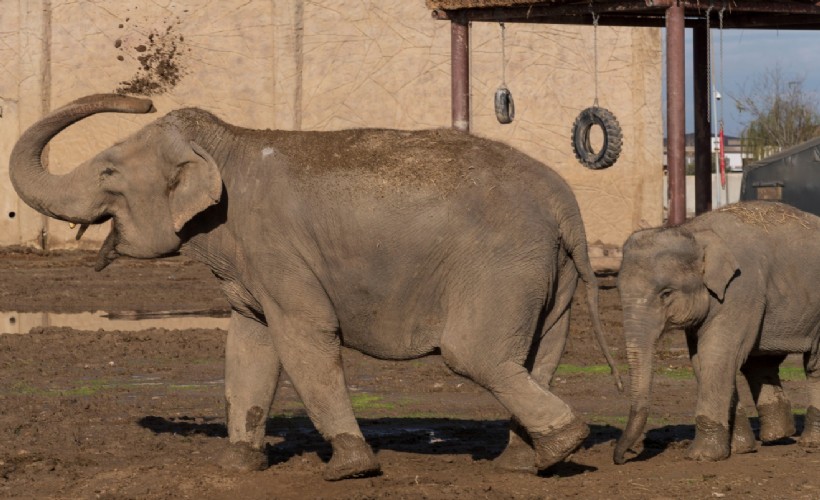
(574, 236)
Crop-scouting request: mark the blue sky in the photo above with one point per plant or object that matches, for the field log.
(749, 53)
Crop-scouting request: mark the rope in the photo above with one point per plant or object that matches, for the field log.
(595, 18)
(503, 54)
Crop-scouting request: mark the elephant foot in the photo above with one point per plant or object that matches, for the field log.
(518, 456)
(776, 421)
(352, 457)
(556, 445)
(743, 438)
(810, 439)
(711, 441)
(243, 457)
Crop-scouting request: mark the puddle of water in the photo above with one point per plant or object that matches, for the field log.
(17, 322)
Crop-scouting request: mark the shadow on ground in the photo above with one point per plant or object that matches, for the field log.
(679, 436)
(481, 439)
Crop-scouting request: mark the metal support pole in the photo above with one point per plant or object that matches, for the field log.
(460, 67)
(703, 139)
(675, 116)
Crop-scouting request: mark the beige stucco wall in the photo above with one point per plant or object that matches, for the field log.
(330, 64)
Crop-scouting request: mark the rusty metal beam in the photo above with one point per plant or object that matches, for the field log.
(693, 7)
(658, 20)
(703, 150)
(635, 21)
(675, 115)
(460, 73)
(753, 14)
(773, 21)
(511, 14)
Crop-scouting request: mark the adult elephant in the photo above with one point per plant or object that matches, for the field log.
(742, 283)
(395, 243)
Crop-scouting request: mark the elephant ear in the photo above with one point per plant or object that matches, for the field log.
(719, 263)
(197, 185)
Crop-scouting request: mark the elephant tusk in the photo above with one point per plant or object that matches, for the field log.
(71, 225)
(81, 231)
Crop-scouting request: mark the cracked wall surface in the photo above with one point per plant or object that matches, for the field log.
(328, 64)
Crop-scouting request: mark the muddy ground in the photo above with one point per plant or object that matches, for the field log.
(139, 414)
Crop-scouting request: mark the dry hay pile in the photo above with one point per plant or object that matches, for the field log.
(766, 214)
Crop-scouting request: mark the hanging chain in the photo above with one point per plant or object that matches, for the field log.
(709, 79)
(595, 49)
(503, 55)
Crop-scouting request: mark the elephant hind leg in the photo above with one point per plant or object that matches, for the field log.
(810, 438)
(519, 455)
(743, 438)
(773, 406)
(490, 349)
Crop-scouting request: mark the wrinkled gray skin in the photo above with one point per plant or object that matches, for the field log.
(398, 244)
(742, 283)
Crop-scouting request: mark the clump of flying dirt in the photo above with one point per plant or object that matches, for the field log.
(159, 56)
(767, 214)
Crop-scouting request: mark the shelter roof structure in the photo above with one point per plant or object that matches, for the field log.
(747, 14)
(675, 16)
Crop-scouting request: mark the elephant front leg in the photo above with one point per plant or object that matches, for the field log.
(252, 370)
(716, 369)
(312, 358)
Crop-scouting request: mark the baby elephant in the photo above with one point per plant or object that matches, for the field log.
(742, 282)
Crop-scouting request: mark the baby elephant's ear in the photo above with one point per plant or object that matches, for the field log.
(196, 186)
(719, 263)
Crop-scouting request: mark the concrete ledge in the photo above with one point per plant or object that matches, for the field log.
(605, 258)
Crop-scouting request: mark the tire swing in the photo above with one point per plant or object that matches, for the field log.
(504, 105)
(610, 149)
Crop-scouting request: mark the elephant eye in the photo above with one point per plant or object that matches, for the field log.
(665, 294)
(107, 171)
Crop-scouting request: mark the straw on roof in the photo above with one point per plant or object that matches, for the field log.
(471, 4)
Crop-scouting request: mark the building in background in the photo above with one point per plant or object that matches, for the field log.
(733, 152)
(791, 176)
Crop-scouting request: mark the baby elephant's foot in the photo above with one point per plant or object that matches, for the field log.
(711, 441)
(776, 421)
(811, 430)
(352, 457)
(243, 457)
(556, 445)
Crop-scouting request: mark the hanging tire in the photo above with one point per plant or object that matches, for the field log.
(613, 138)
(504, 106)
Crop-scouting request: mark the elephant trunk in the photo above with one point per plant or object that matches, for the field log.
(641, 339)
(73, 196)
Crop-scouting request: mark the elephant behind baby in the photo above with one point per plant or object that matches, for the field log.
(742, 282)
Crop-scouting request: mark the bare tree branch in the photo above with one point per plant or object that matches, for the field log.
(780, 113)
